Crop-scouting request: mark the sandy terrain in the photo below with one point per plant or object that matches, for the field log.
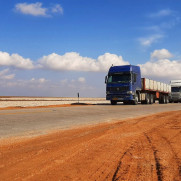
(146, 148)
(46, 101)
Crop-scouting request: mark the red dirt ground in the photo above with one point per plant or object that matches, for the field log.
(34, 107)
(146, 148)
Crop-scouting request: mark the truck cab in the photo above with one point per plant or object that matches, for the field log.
(175, 91)
(123, 84)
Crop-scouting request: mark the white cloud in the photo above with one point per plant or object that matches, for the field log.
(25, 84)
(161, 13)
(15, 60)
(34, 9)
(161, 54)
(40, 80)
(72, 61)
(162, 68)
(5, 76)
(37, 9)
(57, 9)
(81, 80)
(164, 19)
(148, 41)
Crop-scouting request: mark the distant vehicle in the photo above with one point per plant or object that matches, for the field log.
(124, 84)
(175, 91)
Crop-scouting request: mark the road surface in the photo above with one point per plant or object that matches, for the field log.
(30, 122)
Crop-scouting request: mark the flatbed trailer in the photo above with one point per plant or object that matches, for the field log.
(153, 90)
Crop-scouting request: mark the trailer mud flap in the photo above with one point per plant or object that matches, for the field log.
(157, 95)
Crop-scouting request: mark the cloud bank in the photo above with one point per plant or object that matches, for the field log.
(15, 60)
(160, 65)
(72, 61)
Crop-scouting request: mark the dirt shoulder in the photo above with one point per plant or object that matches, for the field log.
(47, 106)
(146, 148)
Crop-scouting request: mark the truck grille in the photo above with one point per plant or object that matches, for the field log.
(118, 89)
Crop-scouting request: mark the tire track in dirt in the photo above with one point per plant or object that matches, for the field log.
(115, 177)
(157, 163)
(167, 161)
(155, 153)
(141, 149)
(136, 162)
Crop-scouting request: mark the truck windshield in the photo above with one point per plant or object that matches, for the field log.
(119, 78)
(176, 89)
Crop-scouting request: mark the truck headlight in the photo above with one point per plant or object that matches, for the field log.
(129, 92)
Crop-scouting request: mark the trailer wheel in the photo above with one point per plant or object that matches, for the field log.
(147, 99)
(113, 102)
(161, 99)
(166, 100)
(154, 98)
(151, 99)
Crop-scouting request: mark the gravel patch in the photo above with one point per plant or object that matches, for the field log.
(43, 101)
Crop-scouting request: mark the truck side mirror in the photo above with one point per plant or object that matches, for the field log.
(105, 79)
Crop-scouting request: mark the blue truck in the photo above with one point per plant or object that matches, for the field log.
(124, 84)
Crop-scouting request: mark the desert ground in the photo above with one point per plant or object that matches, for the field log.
(142, 148)
(47, 101)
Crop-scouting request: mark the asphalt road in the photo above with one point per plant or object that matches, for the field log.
(30, 122)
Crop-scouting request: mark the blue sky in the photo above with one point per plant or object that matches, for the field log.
(61, 47)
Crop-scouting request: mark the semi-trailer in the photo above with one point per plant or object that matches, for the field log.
(124, 84)
(175, 91)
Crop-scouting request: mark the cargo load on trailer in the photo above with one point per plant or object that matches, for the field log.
(175, 91)
(124, 84)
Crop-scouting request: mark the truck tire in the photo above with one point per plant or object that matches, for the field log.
(147, 99)
(161, 99)
(166, 100)
(154, 99)
(113, 102)
(151, 99)
(135, 102)
(125, 103)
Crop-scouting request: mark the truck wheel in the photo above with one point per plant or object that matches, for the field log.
(166, 100)
(154, 98)
(147, 99)
(135, 102)
(125, 102)
(113, 102)
(151, 99)
(161, 99)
